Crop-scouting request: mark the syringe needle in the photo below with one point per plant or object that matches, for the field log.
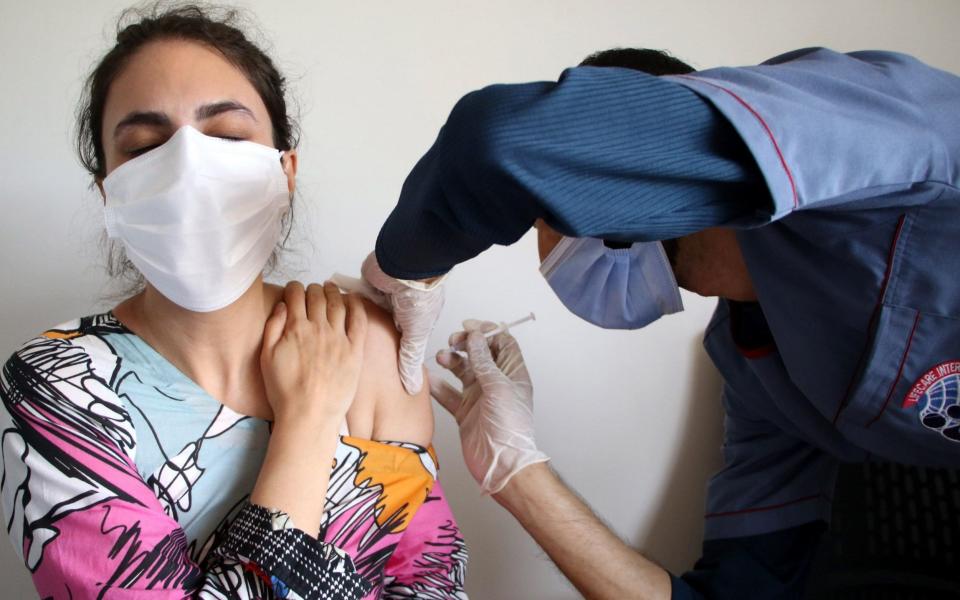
(507, 326)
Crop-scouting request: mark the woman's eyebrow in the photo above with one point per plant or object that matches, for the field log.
(159, 119)
(208, 111)
(154, 119)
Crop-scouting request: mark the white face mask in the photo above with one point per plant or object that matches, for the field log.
(199, 215)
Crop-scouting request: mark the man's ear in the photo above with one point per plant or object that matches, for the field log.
(289, 162)
(547, 238)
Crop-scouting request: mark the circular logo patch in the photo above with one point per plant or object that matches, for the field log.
(937, 393)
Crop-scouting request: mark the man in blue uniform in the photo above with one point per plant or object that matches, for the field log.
(816, 195)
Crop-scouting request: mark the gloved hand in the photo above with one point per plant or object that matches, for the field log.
(416, 306)
(495, 408)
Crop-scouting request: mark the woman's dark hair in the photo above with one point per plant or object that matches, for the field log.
(216, 27)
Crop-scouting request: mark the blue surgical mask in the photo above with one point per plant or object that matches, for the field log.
(614, 288)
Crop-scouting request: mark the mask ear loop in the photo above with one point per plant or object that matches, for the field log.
(662, 261)
(283, 153)
(559, 252)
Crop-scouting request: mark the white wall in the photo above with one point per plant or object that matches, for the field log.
(631, 420)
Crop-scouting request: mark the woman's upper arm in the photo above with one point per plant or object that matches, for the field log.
(382, 409)
(80, 515)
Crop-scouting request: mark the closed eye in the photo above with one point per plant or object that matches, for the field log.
(148, 148)
(141, 150)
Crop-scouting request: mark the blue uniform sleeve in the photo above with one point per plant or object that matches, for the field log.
(835, 131)
(603, 152)
(771, 565)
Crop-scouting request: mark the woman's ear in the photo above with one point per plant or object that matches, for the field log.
(289, 162)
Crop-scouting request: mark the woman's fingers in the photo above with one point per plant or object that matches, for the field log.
(313, 352)
(294, 298)
(316, 303)
(356, 320)
(336, 311)
(273, 328)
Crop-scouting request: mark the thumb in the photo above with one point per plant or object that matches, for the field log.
(371, 272)
(411, 364)
(481, 360)
(363, 288)
(458, 365)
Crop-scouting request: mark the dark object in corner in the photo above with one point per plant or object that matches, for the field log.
(894, 536)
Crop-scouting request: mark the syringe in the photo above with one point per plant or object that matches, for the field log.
(503, 327)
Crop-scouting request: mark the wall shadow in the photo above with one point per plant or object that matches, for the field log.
(673, 537)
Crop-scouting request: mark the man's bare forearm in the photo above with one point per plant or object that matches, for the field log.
(595, 560)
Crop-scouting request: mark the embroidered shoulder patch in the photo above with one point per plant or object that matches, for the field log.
(937, 393)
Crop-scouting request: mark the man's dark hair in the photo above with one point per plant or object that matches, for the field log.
(654, 62)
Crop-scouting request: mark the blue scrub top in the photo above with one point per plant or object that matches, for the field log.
(856, 278)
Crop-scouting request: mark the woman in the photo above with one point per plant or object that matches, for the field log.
(177, 445)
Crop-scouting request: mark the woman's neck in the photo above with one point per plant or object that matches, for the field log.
(219, 350)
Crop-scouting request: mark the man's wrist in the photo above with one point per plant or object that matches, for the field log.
(525, 486)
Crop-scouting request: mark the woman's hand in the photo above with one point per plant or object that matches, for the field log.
(310, 360)
(312, 353)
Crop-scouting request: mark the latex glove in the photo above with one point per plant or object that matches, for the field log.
(352, 285)
(416, 306)
(495, 408)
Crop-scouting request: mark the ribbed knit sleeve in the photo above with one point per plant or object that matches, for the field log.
(603, 152)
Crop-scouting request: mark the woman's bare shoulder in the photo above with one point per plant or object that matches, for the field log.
(382, 409)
